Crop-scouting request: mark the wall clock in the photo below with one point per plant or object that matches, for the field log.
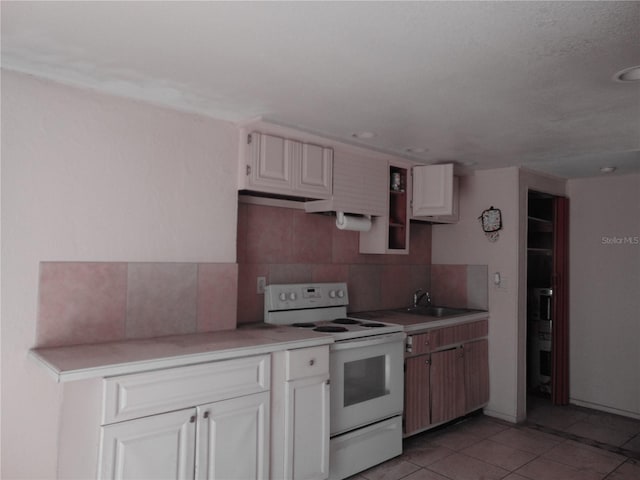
(491, 220)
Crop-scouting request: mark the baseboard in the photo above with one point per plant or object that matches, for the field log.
(500, 416)
(604, 408)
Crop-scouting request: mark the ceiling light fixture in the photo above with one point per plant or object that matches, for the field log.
(608, 169)
(631, 74)
(363, 135)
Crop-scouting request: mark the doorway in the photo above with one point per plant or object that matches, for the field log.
(547, 298)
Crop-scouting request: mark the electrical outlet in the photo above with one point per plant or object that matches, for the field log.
(260, 284)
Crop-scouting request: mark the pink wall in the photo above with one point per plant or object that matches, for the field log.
(92, 178)
(288, 245)
(604, 298)
(465, 243)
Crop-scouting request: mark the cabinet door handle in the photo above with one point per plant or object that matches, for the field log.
(206, 414)
(192, 419)
(312, 362)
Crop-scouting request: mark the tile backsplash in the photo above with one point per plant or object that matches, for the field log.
(460, 286)
(89, 302)
(290, 246)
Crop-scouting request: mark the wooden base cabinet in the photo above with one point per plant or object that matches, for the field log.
(476, 374)
(447, 385)
(446, 375)
(417, 403)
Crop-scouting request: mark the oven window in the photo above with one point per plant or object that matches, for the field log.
(365, 380)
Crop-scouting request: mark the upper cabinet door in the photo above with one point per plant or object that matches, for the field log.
(271, 162)
(282, 166)
(314, 177)
(432, 190)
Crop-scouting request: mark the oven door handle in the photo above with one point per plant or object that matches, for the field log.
(368, 341)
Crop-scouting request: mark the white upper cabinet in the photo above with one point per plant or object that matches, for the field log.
(432, 190)
(281, 166)
(270, 161)
(315, 176)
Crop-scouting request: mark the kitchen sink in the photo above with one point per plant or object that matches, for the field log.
(436, 311)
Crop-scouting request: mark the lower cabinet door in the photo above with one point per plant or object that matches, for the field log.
(447, 385)
(308, 433)
(476, 371)
(233, 439)
(417, 398)
(154, 448)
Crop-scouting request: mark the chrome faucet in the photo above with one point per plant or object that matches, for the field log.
(418, 295)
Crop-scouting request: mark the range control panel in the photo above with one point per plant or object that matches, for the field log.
(298, 296)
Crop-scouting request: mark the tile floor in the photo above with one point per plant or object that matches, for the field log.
(556, 443)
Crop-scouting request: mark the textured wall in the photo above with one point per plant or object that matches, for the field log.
(604, 282)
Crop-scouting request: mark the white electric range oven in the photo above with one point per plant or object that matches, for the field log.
(366, 371)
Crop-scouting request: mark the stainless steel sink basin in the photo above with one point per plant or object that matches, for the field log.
(435, 311)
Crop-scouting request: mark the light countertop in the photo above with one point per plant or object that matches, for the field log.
(80, 362)
(414, 323)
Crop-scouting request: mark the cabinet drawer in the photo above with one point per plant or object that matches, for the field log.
(142, 394)
(419, 344)
(307, 362)
(442, 337)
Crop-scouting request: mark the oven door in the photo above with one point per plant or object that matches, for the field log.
(367, 383)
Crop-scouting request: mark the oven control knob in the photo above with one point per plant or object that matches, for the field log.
(341, 293)
(292, 296)
(332, 294)
(283, 296)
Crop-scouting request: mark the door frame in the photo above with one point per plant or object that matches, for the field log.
(551, 185)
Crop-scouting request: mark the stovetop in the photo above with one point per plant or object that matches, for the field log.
(321, 307)
(346, 328)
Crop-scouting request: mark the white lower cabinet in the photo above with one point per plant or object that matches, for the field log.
(227, 438)
(156, 447)
(300, 414)
(222, 440)
(233, 439)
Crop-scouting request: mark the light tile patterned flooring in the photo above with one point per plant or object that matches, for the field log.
(556, 443)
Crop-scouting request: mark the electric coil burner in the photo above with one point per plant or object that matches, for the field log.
(330, 329)
(347, 321)
(367, 380)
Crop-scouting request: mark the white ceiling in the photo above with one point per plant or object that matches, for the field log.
(493, 83)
